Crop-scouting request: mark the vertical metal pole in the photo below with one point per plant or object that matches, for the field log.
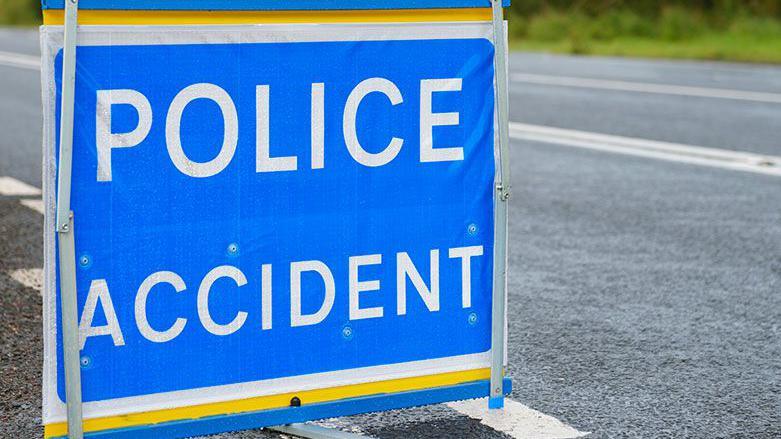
(64, 166)
(496, 399)
(67, 250)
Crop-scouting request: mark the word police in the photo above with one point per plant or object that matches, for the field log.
(107, 141)
(359, 284)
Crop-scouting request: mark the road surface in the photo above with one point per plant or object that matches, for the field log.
(645, 265)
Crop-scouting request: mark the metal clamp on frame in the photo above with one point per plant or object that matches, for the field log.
(65, 230)
(502, 194)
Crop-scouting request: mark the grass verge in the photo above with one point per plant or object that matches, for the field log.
(676, 33)
(709, 47)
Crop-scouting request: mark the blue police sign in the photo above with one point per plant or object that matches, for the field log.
(266, 212)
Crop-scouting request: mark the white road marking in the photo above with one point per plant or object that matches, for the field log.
(35, 204)
(644, 87)
(676, 152)
(29, 277)
(12, 187)
(516, 420)
(20, 60)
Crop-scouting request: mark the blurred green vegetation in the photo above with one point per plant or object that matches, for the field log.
(651, 8)
(20, 12)
(701, 29)
(740, 30)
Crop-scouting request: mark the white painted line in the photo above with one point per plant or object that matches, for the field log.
(35, 204)
(516, 420)
(644, 87)
(676, 152)
(29, 277)
(12, 187)
(12, 59)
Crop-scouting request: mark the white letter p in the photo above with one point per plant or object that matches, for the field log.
(105, 140)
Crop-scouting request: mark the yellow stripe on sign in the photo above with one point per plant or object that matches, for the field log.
(273, 401)
(116, 17)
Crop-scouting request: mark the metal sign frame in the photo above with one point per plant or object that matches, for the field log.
(65, 221)
(501, 197)
(65, 226)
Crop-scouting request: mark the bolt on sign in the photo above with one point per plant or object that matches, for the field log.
(270, 221)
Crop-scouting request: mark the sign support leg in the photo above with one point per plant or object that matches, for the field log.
(65, 232)
(498, 325)
(311, 431)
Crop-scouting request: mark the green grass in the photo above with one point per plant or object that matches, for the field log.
(20, 12)
(676, 33)
(707, 47)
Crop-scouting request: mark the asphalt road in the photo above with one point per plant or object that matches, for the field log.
(645, 295)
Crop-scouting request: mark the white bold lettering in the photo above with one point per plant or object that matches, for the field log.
(98, 292)
(203, 300)
(173, 123)
(265, 296)
(105, 140)
(356, 287)
(466, 254)
(318, 125)
(296, 268)
(429, 119)
(263, 160)
(142, 295)
(406, 269)
(360, 91)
